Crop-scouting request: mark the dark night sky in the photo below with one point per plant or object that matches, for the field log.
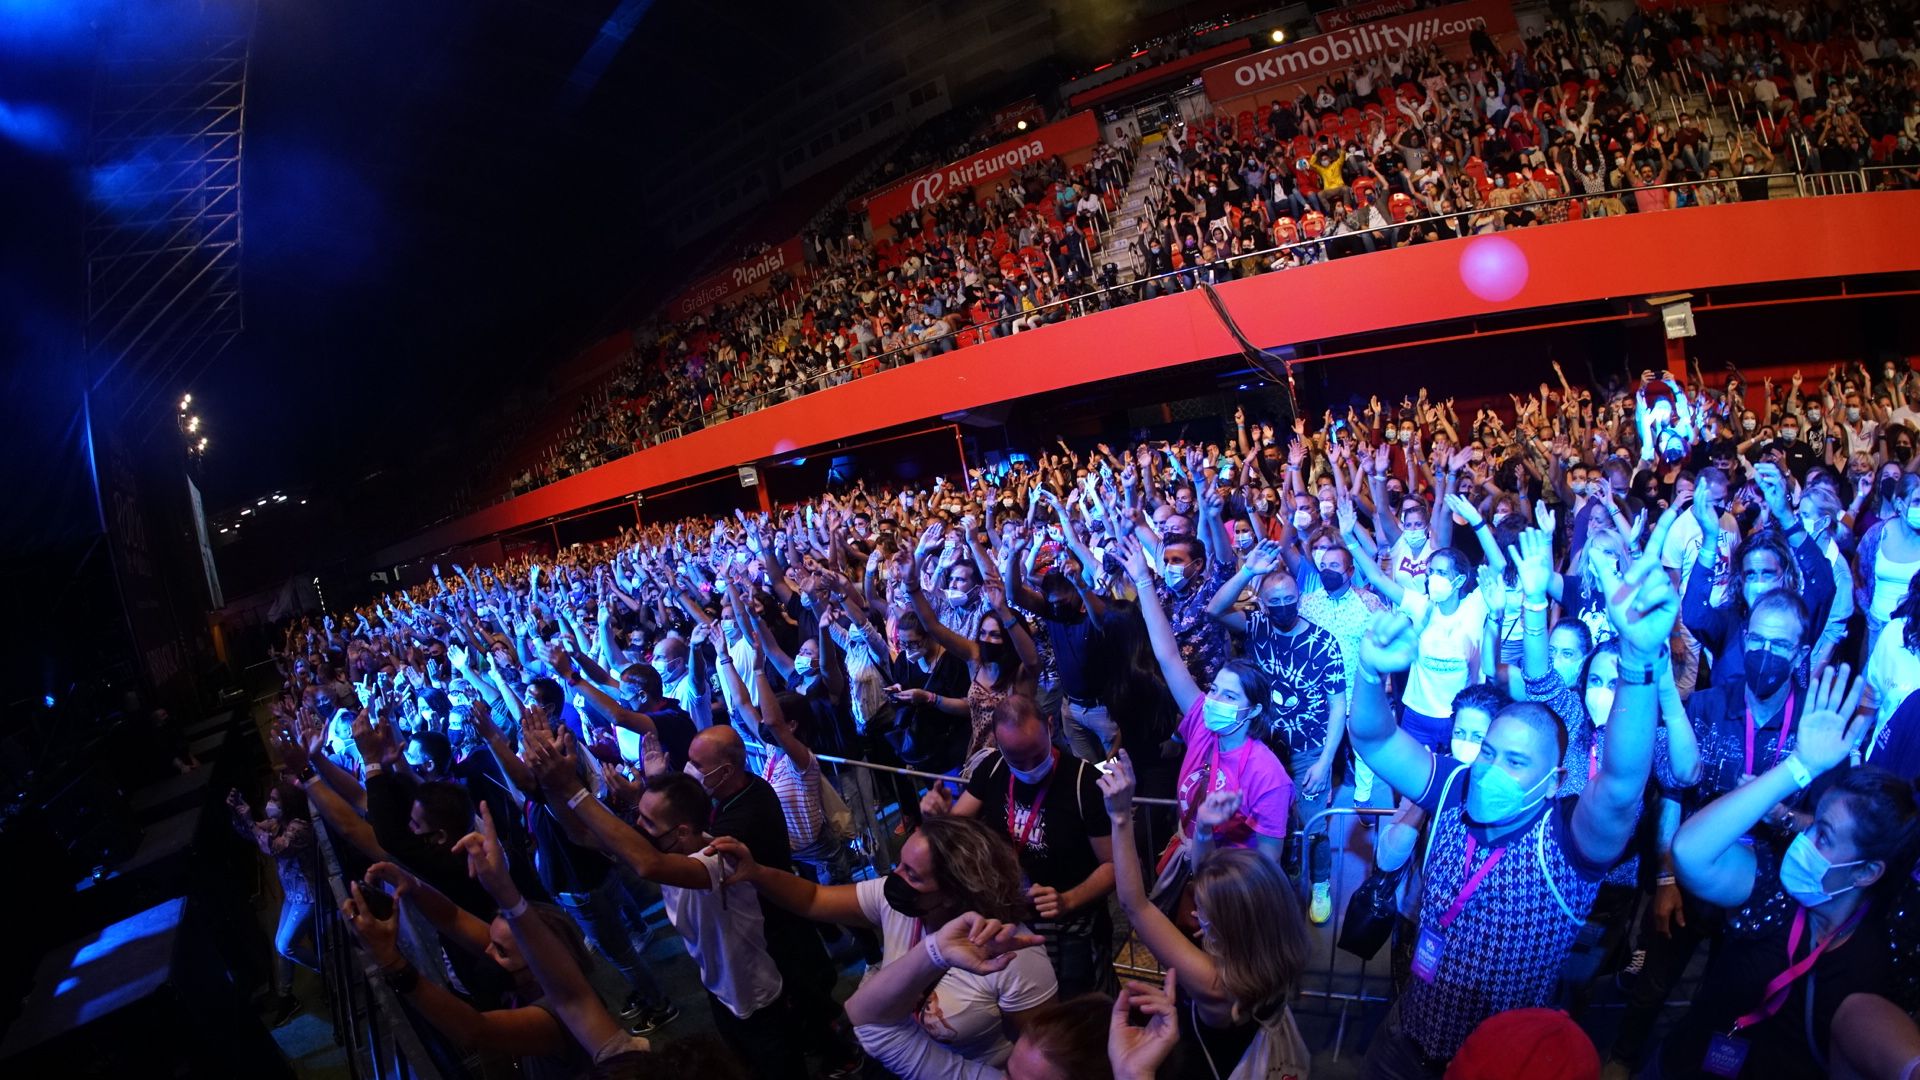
(430, 220)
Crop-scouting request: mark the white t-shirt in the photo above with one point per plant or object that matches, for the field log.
(1682, 553)
(725, 935)
(1449, 652)
(965, 1010)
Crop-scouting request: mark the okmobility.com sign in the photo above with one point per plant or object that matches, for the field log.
(1340, 49)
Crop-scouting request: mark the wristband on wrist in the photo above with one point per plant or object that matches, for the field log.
(933, 954)
(1665, 879)
(307, 773)
(1802, 776)
(516, 910)
(1528, 605)
(578, 797)
(374, 768)
(1637, 676)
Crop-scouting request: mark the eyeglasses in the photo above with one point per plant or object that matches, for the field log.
(1783, 649)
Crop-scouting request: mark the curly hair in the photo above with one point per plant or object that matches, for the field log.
(975, 865)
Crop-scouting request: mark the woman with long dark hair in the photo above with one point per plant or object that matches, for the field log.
(1809, 921)
(284, 833)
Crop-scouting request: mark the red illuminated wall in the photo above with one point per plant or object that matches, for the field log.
(1632, 256)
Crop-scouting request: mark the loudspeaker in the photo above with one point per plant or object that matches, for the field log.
(145, 996)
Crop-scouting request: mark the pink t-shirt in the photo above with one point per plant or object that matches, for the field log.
(1266, 791)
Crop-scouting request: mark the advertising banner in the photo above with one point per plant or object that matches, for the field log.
(1300, 60)
(738, 279)
(1355, 14)
(1076, 132)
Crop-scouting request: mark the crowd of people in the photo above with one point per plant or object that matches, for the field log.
(1630, 665)
(1405, 148)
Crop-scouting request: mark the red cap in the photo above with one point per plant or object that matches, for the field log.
(1526, 1044)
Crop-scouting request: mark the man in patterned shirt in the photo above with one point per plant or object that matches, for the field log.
(1307, 671)
(1188, 580)
(1511, 870)
(1332, 600)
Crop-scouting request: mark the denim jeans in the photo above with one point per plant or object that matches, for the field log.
(614, 929)
(1090, 731)
(293, 941)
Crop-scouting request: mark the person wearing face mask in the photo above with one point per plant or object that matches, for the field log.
(723, 925)
(1050, 807)
(1001, 661)
(1458, 633)
(1504, 850)
(284, 833)
(1809, 919)
(673, 660)
(1306, 674)
(1407, 559)
(747, 808)
(1074, 619)
(1819, 512)
(640, 710)
(950, 865)
(1889, 556)
(1771, 559)
(1188, 579)
(1231, 790)
(1235, 957)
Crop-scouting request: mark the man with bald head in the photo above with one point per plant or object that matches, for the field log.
(1049, 803)
(746, 808)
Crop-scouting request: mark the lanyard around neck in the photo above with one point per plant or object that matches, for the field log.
(1786, 727)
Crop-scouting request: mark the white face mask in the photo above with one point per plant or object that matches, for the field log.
(1466, 749)
(803, 663)
(1599, 704)
(1439, 589)
(1302, 518)
(958, 596)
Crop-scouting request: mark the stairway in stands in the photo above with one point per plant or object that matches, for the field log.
(1124, 224)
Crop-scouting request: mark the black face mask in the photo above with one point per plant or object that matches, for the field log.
(1063, 611)
(1767, 673)
(903, 897)
(1889, 487)
(1901, 452)
(1284, 616)
(1332, 580)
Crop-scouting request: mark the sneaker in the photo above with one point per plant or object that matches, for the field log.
(653, 1020)
(1322, 907)
(284, 1009)
(633, 1010)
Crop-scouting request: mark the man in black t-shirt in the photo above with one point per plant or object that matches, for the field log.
(1049, 803)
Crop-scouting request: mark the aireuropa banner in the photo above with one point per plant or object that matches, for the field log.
(1312, 56)
(741, 277)
(1355, 14)
(1077, 132)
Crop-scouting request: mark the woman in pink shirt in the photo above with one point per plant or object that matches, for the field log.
(1231, 791)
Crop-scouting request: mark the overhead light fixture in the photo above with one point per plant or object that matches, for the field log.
(223, 528)
(303, 502)
(1021, 126)
(1279, 35)
(262, 502)
(247, 511)
(279, 498)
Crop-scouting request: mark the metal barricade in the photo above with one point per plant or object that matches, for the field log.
(1850, 182)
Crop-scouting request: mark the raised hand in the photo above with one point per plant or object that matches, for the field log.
(1534, 560)
(1832, 728)
(1463, 507)
(1643, 606)
(734, 854)
(487, 860)
(1117, 785)
(1217, 809)
(1392, 641)
(1136, 1053)
(397, 879)
(1493, 586)
(380, 937)
(1264, 559)
(972, 942)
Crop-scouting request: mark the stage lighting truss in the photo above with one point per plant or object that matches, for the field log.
(163, 225)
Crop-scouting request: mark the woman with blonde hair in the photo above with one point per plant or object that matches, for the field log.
(1235, 982)
(948, 867)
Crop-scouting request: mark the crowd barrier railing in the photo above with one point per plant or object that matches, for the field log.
(369, 1022)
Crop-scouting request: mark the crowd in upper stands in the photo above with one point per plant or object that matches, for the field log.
(1408, 148)
(1633, 663)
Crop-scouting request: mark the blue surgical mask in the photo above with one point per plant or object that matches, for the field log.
(1495, 797)
(1803, 872)
(1221, 717)
(1034, 775)
(1175, 576)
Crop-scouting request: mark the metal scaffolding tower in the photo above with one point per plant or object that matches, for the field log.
(163, 228)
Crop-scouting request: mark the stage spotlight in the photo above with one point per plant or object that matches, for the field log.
(1279, 36)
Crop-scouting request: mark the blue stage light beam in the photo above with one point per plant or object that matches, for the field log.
(36, 127)
(599, 55)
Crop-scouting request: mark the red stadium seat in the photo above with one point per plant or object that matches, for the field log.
(1313, 224)
(1285, 231)
(1399, 206)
